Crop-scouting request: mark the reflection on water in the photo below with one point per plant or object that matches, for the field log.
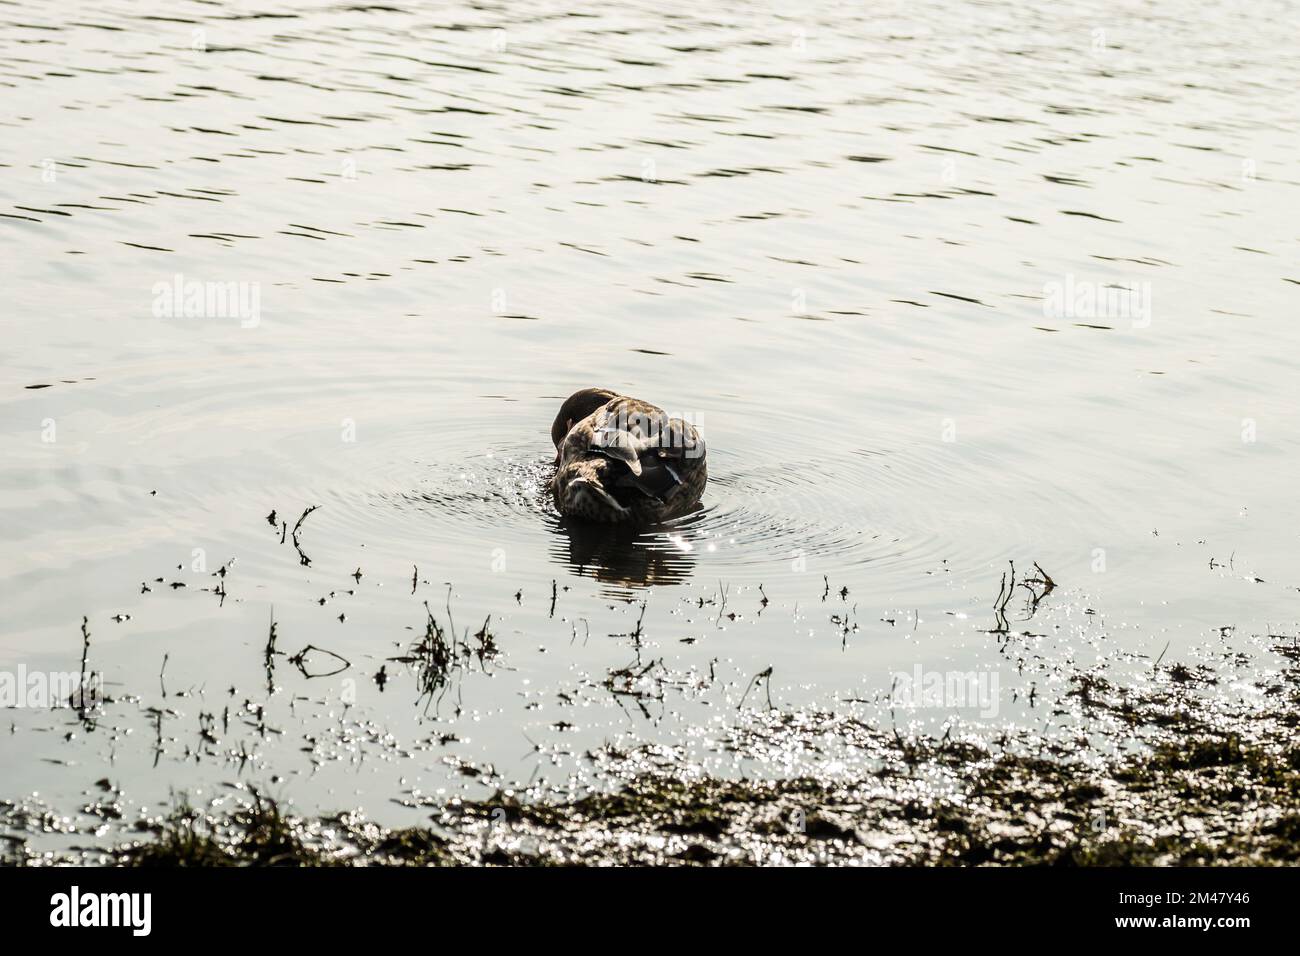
(945, 286)
(626, 558)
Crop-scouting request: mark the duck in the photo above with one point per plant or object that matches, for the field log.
(621, 460)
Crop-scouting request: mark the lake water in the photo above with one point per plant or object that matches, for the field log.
(944, 286)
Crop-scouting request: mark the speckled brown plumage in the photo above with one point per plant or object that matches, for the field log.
(620, 459)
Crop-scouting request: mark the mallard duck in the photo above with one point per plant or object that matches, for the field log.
(620, 459)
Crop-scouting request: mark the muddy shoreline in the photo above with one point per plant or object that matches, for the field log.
(1166, 775)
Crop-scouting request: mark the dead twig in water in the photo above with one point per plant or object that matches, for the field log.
(269, 656)
(434, 659)
(766, 677)
(302, 557)
(847, 624)
(722, 605)
(451, 624)
(85, 680)
(621, 682)
(636, 632)
(574, 626)
(299, 660)
(1001, 625)
(1032, 585)
(158, 734)
(487, 643)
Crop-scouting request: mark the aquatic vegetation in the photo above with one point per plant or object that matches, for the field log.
(255, 834)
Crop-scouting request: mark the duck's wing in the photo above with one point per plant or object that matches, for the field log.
(668, 453)
(655, 476)
(629, 431)
(621, 445)
(680, 441)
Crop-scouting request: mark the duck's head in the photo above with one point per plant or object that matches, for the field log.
(577, 407)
